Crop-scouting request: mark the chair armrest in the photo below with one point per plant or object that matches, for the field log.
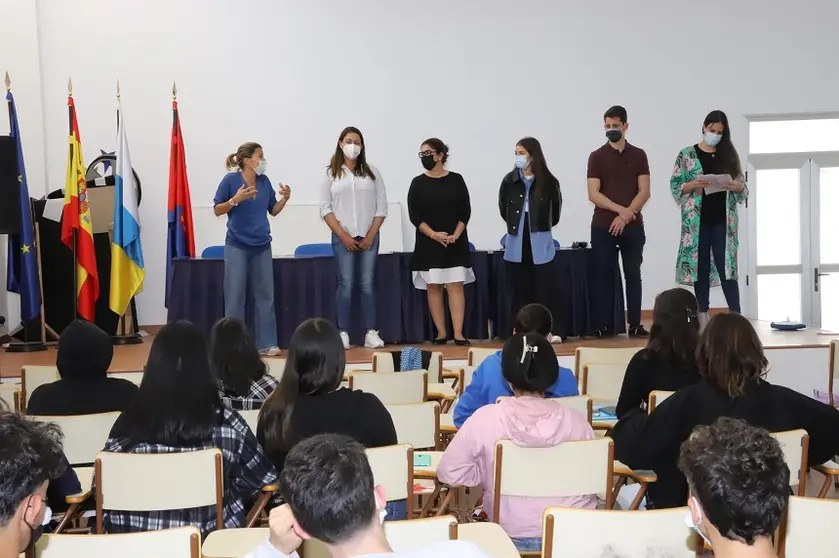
(639, 475)
(827, 468)
(271, 488)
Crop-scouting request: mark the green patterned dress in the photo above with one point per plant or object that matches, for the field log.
(687, 169)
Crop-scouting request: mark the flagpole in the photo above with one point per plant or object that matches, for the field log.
(75, 231)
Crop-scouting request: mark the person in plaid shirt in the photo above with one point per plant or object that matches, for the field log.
(178, 408)
(243, 379)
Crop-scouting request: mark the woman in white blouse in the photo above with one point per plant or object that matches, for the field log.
(353, 203)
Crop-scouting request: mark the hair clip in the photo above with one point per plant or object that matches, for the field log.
(527, 349)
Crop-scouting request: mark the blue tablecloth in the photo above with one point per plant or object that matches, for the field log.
(305, 288)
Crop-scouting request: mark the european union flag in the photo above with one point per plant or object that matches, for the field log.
(23, 265)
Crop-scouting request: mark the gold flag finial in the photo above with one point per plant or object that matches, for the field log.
(70, 86)
(174, 91)
(8, 81)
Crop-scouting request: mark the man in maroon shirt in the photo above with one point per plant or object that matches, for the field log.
(618, 186)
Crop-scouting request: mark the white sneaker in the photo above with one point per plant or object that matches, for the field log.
(345, 339)
(555, 339)
(372, 340)
(271, 351)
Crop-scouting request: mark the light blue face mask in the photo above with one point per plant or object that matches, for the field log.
(522, 162)
(712, 139)
(260, 168)
(693, 527)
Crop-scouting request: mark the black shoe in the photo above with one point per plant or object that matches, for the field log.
(462, 342)
(440, 341)
(603, 333)
(638, 331)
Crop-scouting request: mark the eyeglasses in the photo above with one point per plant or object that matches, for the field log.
(422, 154)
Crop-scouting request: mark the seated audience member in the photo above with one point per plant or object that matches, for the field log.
(739, 487)
(178, 409)
(310, 399)
(528, 420)
(328, 486)
(30, 455)
(488, 383)
(730, 358)
(84, 355)
(669, 361)
(244, 381)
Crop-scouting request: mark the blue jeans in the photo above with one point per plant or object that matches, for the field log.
(397, 510)
(712, 238)
(528, 544)
(251, 270)
(351, 264)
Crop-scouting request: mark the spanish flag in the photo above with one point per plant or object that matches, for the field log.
(127, 269)
(76, 218)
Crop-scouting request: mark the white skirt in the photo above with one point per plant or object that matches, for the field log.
(438, 276)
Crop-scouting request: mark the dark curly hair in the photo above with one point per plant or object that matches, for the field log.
(738, 474)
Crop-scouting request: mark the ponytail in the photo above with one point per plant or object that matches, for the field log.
(245, 151)
(529, 364)
(232, 163)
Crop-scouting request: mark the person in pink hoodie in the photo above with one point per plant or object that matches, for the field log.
(529, 420)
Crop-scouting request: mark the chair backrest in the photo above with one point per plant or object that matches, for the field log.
(796, 445)
(34, 376)
(602, 381)
(833, 372)
(84, 435)
(393, 468)
(252, 418)
(574, 532)
(417, 424)
(213, 252)
(602, 355)
(182, 542)
(811, 527)
(476, 356)
(313, 250)
(408, 535)
(10, 394)
(233, 543)
(568, 469)
(383, 362)
(134, 377)
(393, 389)
(276, 366)
(657, 396)
(580, 403)
(468, 372)
(160, 481)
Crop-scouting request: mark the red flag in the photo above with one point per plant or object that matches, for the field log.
(76, 217)
(181, 239)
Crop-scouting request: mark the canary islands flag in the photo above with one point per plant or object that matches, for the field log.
(127, 270)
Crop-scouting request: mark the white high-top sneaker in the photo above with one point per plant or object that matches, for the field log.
(372, 340)
(345, 339)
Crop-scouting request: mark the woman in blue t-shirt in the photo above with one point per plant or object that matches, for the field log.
(246, 196)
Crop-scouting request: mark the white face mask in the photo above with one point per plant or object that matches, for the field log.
(692, 526)
(711, 138)
(261, 166)
(351, 151)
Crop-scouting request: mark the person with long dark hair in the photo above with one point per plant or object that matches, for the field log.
(177, 409)
(243, 378)
(669, 360)
(438, 205)
(353, 203)
(530, 202)
(733, 366)
(709, 234)
(246, 196)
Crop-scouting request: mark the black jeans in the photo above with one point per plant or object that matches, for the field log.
(712, 238)
(530, 283)
(605, 248)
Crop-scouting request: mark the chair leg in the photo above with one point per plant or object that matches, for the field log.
(429, 504)
(444, 505)
(618, 485)
(638, 497)
(68, 517)
(258, 508)
(826, 485)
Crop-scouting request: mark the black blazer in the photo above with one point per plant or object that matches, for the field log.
(544, 211)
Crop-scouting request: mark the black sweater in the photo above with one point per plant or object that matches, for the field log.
(653, 442)
(349, 412)
(647, 372)
(82, 396)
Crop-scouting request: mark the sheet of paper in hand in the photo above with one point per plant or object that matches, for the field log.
(718, 182)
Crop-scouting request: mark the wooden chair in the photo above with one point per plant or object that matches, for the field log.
(183, 542)
(657, 396)
(393, 389)
(490, 538)
(252, 418)
(233, 543)
(10, 394)
(393, 468)
(405, 536)
(84, 435)
(568, 469)
(383, 362)
(276, 366)
(33, 377)
(417, 424)
(580, 403)
(475, 356)
(160, 481)
(602, 381)
(796, 445)
(602, 355)
(571, 533)
(466, 374)
(810, 528)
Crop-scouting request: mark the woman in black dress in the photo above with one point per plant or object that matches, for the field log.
(438, 205)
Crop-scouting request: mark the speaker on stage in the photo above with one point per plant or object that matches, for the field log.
(9, 190)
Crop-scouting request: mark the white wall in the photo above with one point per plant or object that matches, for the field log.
(479, 75)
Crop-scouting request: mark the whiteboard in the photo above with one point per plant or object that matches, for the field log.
(298, 223)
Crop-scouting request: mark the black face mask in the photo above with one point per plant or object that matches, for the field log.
(34, 534)
(614, 135)
(428, 162)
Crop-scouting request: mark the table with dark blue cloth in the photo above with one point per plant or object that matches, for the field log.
(305, 288)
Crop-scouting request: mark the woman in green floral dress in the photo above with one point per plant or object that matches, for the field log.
(709, 240)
